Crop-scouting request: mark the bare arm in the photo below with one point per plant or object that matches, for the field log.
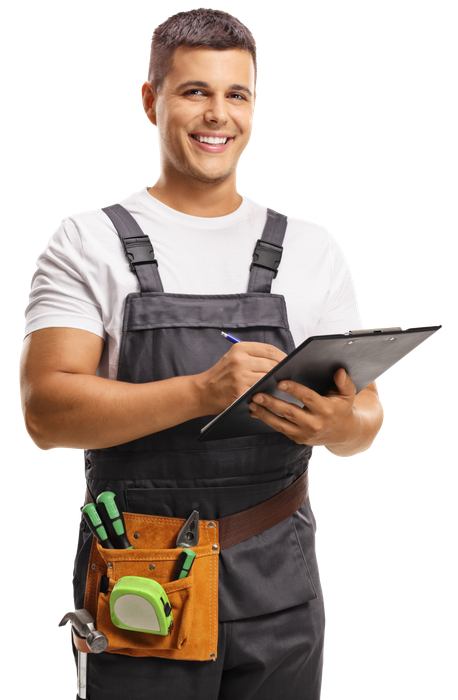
(66, 405)
(365, 421)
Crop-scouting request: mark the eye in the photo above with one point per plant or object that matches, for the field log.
(194, 91)
(237, 95)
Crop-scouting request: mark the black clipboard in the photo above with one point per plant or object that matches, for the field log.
(364, 355)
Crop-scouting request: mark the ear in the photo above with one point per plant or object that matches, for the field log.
(149, 97)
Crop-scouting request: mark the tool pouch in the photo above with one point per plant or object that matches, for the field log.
(194, 599)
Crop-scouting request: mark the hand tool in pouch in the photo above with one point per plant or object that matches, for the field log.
(94, 522)
(187, 537)
(83, 625)
(113, 520)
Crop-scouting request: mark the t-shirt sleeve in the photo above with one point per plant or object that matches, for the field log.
(340, 313)
(60, 295)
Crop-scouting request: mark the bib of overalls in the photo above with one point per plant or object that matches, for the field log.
(170, 473)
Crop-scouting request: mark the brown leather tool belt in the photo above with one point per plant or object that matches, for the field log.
(252, 521)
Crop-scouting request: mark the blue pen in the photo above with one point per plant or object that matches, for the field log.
(230, 337)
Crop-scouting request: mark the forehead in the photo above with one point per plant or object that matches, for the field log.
(224, 67)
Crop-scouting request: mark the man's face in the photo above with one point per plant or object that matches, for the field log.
(207, 95)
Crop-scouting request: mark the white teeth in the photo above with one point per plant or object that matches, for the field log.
(211, 139)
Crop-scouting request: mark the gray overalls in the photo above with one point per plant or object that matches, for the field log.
(270, 604)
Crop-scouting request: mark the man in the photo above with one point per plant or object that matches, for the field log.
(130, 366)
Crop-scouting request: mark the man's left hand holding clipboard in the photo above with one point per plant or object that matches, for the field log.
(343, 421)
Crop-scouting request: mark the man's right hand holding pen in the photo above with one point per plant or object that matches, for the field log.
(241, 367)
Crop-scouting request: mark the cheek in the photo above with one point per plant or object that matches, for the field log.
(245, 123)
(168, 120)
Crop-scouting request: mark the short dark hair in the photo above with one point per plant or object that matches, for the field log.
(213, 28)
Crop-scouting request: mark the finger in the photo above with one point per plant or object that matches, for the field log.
(276, 421)
(343, 383)
(264, 404)
(308, 397)
(266, 359)
(260, 350)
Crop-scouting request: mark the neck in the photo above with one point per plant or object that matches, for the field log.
(196, 197)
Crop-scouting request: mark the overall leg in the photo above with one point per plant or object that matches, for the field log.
(275, 657)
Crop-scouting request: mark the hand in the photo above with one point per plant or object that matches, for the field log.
(324, 420)
(241, 367)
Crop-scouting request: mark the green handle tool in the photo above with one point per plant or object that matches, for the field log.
(113, 520)
(184, 563)
(92, 517)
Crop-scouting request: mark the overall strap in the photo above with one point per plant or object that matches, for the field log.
(138, 248)
(267, 253)
(140, 254)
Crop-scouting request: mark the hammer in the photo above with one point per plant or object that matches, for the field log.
(83, 627)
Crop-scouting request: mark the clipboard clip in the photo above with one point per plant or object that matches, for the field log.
(374, 330)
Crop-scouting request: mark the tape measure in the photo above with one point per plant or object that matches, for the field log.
(141, 605)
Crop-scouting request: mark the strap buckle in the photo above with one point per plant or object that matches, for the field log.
(266, 257)
(139, 251)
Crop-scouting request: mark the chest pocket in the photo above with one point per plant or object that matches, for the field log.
(169, 335)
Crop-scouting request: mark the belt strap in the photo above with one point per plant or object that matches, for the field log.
(248, 523)
(252, 521)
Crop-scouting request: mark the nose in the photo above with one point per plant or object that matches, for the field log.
(216, 110)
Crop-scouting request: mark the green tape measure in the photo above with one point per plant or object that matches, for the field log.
(141, 605)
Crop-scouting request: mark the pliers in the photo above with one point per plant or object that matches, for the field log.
(189, 533)
(187, 537)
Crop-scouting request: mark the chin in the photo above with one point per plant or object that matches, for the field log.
(208, 176)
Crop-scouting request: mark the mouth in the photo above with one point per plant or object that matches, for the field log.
(211, 144)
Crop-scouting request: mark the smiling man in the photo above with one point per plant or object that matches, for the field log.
(198, 120)
(124, 358)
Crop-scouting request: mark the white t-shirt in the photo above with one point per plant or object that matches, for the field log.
(83, 276)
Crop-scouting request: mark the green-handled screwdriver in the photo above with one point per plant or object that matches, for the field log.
(94, 521)
(113, 520)
(92, 517)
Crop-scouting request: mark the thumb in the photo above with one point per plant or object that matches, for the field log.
(342, 381)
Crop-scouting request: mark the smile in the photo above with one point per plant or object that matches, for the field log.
(209, 139)
(211, 144)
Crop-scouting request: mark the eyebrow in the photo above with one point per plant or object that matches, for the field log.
(202, 84)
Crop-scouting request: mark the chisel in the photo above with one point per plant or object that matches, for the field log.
(113, 520)
(92, 517)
